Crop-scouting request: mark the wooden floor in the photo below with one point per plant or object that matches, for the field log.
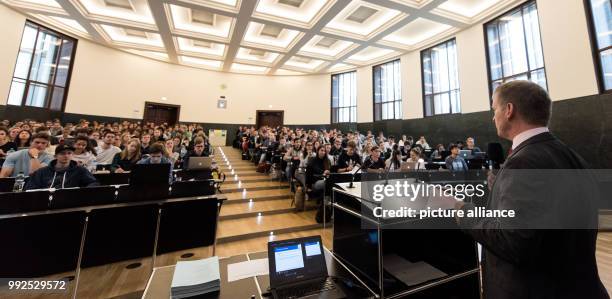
(258, 209)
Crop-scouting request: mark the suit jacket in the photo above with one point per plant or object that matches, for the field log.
(521, 261)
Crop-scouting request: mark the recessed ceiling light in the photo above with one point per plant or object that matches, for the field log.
(256, 52)
(326, 42)
(271, 31)
(124, 4)
(294, 3)
(361, 14)
(202, 17)
(135, 33)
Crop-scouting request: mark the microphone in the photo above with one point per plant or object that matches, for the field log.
(353, 176)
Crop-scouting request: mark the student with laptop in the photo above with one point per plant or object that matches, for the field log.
(156, 156)
(298, 269)
(61, 173)
(416, 160)
(455, 162)
(198, 151)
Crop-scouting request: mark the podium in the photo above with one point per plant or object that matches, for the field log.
(403, 257)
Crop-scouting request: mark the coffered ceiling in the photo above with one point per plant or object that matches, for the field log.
(273, 37)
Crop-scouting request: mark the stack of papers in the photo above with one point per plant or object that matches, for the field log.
(193, 278)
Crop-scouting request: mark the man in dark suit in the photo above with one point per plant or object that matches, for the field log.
(548, 249)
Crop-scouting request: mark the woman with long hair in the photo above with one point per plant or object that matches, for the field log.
(6, 145)
(170, 153)
(126, 159)
(23, 139)
(84, 154)
(318, 165)
(394, 163)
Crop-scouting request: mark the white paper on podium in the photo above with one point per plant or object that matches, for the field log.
(247, 269)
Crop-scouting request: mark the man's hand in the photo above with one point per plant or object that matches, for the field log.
(326, 173)
(119, 170)
(33, 152)
(350, 168)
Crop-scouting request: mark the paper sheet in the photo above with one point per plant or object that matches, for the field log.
(247, 269)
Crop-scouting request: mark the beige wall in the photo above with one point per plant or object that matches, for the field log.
(113, 83)
(11, 28)
(567, 50)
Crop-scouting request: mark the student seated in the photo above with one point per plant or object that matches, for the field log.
(349, 158)
(454, 162)
(292, 157)
(107, 151)
(6, 145)
(336, 150)
(394, 163)
(84, 154)
(198, 151)
(375, 161)
(317, 166)
(470, 145)
(28, 160)
(126, 159)
(156, 156)
(437, 153)
(415, 156)
(61, 173)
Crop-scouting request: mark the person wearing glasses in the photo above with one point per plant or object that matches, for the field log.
(198, 151)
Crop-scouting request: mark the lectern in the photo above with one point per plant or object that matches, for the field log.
(403, 257)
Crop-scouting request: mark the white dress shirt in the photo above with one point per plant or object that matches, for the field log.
(520, 138)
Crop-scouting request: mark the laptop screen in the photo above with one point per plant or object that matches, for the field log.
(296, 260)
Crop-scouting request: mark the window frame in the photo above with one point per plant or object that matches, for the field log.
(51, 85)
(444, 92)
(487, 56)
(398, 60)
(331, 98)
(595, 51)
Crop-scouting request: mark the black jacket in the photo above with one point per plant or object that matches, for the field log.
(73, 176)
(316, 167)
(345, 159)
(523, 262)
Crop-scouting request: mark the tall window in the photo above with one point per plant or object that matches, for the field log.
(441, 79)
(601, 27)
(387, 91)
(42, 72)
(514, 48)
(344, 98)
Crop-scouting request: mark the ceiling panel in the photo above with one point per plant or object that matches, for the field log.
(274, 37)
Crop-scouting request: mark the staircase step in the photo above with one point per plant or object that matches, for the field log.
(257, 226)
(257, 195)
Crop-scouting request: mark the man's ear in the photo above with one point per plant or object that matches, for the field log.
(510, 112)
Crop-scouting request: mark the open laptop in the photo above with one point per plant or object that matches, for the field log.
(298, 270)
(465, 154)
(197, 163)
(408, 166)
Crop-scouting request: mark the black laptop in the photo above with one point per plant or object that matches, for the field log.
(298, 270)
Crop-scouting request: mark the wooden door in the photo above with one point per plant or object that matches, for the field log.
(271, 118)
(161, 113)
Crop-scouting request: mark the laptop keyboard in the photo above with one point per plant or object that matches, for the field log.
(305, 290)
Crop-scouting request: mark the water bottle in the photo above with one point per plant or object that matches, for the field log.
(19, 182)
